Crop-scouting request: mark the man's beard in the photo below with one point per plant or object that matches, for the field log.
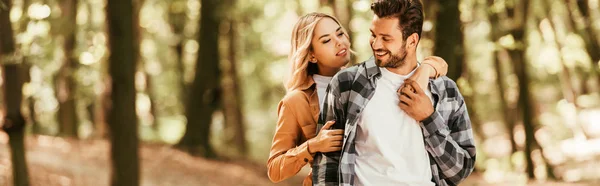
(394, 61)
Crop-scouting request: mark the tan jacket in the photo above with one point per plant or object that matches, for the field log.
(298, 114)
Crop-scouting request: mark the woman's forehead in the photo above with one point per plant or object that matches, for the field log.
(326, 26)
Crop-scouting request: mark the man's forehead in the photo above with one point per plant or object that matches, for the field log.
(386, 23)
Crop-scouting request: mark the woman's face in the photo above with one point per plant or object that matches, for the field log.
(331, 47)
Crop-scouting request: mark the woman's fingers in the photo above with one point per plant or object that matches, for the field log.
(333, 149)
(336, 132)
(337, 143)
(335, 138)
(328, 125)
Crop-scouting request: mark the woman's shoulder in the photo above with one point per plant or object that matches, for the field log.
(295, 97)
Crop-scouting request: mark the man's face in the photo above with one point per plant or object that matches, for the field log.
(386, 41)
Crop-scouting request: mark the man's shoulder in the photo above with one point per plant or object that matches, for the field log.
(446, 87)
(350, 73)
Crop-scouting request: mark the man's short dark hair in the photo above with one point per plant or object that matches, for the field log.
(409, 12)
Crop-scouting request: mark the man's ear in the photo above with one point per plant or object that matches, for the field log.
(412, 40)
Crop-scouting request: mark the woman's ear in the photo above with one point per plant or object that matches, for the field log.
(312, 58)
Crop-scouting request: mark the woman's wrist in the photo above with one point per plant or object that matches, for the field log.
(431, 71)
(310, 146)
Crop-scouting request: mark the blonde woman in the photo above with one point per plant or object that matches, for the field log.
(320, 48)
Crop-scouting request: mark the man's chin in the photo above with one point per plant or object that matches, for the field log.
(381, 63)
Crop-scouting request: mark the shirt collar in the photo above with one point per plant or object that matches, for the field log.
(309, 83)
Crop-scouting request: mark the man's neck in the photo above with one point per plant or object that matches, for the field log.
(410, 63)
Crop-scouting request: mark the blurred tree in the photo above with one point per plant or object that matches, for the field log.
(232, 94)
(581, 20)
(177, 19)
(204, 97)
(122, 118)
(65, 80)
(14, 123)
(518, 14)
(568, 90)
(32, 116)
(449, 38)
(501, 56)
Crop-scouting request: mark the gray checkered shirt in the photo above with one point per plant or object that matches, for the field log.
(447, 132)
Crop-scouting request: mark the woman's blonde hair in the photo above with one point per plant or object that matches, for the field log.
(302, 34)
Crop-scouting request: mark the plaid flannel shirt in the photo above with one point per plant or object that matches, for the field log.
(447, 132)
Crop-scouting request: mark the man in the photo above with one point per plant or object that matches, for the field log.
(396, 133)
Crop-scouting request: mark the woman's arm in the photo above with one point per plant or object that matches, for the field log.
(431, 67)
(286, 157)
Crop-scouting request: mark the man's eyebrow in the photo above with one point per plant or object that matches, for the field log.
(384, 35)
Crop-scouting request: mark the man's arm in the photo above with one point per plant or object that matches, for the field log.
(451, 142)
(325, 168)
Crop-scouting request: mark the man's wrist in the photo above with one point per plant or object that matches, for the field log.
(432, 124)
(428, 116)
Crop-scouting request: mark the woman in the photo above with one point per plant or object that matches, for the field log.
(320, 48)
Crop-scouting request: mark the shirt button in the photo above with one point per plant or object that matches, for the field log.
(305, 160)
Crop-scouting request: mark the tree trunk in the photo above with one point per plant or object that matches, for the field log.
(568, 89)
(65, 80)
(509, 122)
(101, 107)
(177, 19)
(525, 102)
(349, 11)
(205, 94)
(578, 10)
(449, 38)
(152, 97)
(14, 123)
(232, 104)
(122, 119)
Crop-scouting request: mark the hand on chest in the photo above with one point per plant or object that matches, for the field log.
(383, 108)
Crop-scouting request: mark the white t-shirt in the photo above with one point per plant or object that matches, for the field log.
(389, 143)
(322, 82)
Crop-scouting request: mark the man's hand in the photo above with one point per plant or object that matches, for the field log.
(414, 101)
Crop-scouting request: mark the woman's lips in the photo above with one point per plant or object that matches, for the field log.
(342, 52)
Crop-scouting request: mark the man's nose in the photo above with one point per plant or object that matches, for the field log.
(376, 44)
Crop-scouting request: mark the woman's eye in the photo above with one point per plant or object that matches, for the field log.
(326, 41)
(341, 34)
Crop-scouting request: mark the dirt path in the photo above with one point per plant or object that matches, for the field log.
(57, 161)
(54, 161)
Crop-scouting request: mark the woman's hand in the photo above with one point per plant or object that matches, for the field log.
(326, 140)
(438, 65)
(432, 67)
